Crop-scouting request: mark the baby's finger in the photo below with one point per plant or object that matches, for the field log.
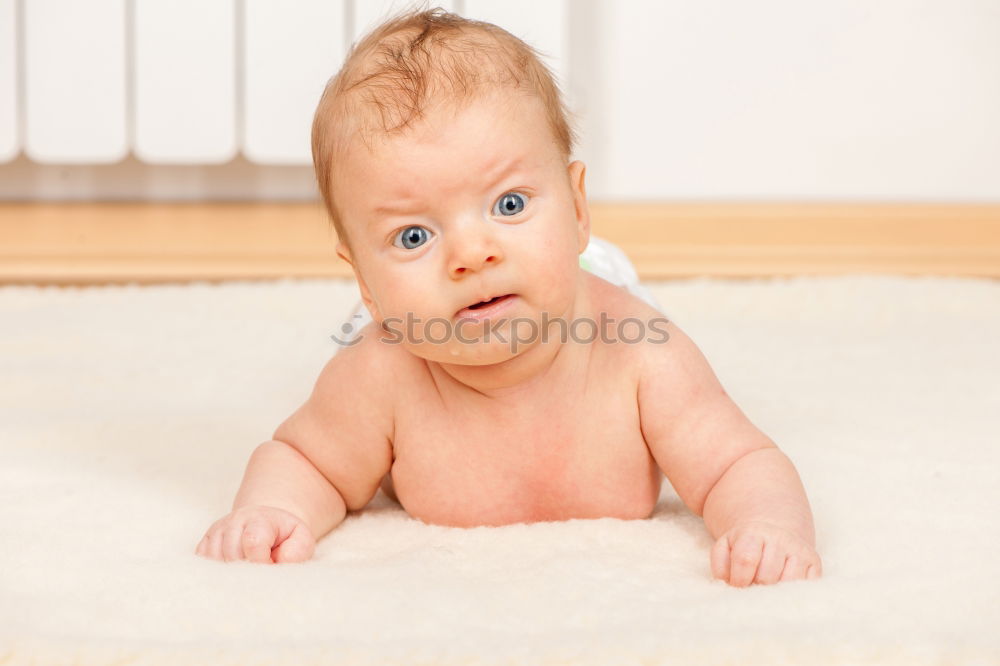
(211, 546)
(795, 569)
(815, 569)
(745, 558)
(258, 537)
(720, 558)
(298, 547)
(232, 543)
(206, 540)
(771, 564)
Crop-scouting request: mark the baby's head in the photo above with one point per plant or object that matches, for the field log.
(442, 153)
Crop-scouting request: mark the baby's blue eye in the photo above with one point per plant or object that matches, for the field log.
(411, 238)
(511, 203)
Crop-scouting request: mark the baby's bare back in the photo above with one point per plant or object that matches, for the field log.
(570, 447)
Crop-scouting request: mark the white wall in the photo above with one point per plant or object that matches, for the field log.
(860, 99)
(707, 100)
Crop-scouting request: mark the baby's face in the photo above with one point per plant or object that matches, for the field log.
(461, 208)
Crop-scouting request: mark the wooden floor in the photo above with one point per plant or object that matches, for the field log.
(147, 243)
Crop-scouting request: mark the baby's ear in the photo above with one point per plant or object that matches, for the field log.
(577, 182)
(344, 252)
(366, 298)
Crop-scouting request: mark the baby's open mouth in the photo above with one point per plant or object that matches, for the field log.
(481, 305)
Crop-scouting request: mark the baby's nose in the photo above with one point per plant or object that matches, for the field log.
(475, 266)
(473, 253)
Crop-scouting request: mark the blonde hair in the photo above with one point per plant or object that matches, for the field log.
(415, 57)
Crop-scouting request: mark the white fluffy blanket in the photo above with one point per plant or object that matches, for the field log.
(127, 415)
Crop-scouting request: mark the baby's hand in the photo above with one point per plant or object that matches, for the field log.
(760, 552)
(259, 534)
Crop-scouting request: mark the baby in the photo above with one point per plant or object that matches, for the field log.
(497, 382)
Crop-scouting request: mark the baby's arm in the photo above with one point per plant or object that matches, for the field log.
(725, 469)
(327, 458)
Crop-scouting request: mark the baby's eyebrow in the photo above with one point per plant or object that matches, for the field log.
(412, 206)
(401, 208)
(511, 166)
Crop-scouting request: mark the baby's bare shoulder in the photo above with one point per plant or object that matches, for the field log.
(633, 327)
(617, 300)
(371, 363)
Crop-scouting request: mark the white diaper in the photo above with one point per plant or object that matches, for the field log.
(606, 260)
(602, 258)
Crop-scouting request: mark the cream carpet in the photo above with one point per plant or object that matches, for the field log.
(127, 415)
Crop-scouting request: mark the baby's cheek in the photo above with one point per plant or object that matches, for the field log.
(402, 298)
(560, 279)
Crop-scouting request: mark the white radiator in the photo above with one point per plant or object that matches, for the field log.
(197, 81)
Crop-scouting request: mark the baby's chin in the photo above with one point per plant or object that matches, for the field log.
(478, 353)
